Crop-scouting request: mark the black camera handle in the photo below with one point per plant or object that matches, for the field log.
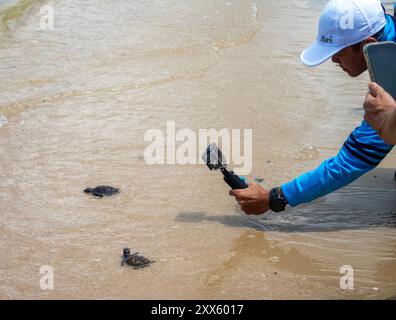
(233, 180)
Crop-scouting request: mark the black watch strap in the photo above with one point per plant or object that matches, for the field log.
(277, 200)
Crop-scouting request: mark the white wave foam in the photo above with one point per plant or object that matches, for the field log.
(254, 13)
(3, 120)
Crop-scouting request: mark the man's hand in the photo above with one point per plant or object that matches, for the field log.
(253, 200)
(380, 112)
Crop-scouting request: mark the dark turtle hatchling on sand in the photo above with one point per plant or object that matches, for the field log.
(134, 260)
(101, 191)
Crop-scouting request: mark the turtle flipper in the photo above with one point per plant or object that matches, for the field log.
(97, 194)
(141, 266)
(88, 190)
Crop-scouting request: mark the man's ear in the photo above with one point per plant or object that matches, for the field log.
(366, 41)
(370, 40)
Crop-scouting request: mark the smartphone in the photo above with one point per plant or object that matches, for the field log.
(381, 63)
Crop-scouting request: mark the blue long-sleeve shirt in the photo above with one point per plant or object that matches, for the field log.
(361, 152)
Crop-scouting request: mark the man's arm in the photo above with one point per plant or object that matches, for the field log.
(361, 152)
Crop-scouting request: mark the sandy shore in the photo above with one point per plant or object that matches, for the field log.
(78, 101)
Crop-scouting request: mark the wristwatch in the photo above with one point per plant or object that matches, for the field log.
(277, 201)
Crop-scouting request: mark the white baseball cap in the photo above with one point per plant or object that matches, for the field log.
(342, 24)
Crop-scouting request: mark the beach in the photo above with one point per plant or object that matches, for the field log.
(76, 102)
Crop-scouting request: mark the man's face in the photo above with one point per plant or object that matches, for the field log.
(351, 61)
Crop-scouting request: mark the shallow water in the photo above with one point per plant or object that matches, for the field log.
(78, 100)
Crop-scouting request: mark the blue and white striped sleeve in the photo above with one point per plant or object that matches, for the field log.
(362, 151)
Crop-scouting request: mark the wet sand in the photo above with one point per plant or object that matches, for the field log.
(78, 101)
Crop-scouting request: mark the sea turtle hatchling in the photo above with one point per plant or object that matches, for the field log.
(101, 191)
(134, 260)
